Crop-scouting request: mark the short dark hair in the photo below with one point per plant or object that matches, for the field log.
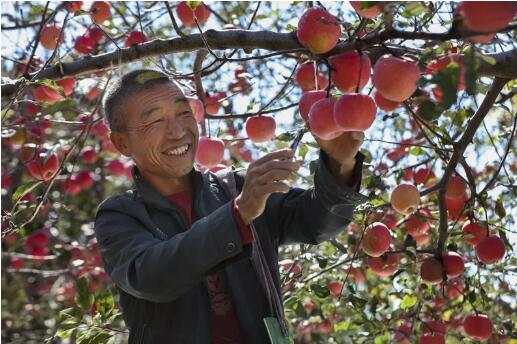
(128, 84)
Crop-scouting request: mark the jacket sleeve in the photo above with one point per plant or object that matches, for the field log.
(317, 214)
(158, 270)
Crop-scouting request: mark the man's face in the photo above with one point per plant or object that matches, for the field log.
(160, 125)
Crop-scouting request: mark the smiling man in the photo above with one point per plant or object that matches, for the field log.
(178, 247)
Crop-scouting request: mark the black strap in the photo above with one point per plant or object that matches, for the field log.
(227, 180)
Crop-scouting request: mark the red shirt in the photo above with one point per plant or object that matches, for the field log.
(225, 325)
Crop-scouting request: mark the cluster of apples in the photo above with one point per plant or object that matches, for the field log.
(394, 78)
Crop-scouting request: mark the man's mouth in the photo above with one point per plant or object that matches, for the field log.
(179, 151)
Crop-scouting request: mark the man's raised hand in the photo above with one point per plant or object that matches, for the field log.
(269, 174)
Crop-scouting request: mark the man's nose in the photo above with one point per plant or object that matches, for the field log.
(175, 129)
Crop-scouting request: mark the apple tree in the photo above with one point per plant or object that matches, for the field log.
(427, 259)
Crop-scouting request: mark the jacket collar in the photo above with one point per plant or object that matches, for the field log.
(151, 196)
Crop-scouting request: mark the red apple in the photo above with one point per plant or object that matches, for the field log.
(490, 250)
(96, 34)
(403, 333)
(405, 198)
(474, 232)
(84, 44)
(369, 12)
(306, 77)
(408, 174)
(434, 338)
(390, 220)
(72, 186)
(431, 271)
(260, 128)
(487, 16)
(385, 265)
(354, 112)
(355, 274)
(187, 14)
(335, 288)
(210, 151)
(100, 129)
(73, 6)
(423, 175)
(385, 104)
(50, 36)
(318, 30)
(46, 94)
(89, 155)
(38, 239)
(85, 179)
(197, 109)
(454, 288)
(43, 168)
(453, 264)
(395, 78)
(483, 39)
(422, 239)
(68, 85)
(376, 240)
(321, 119)
(291, 266)
(16, 263)
(308, 305)
(213, 103)
(477, 327)
(349, 71)
(325, 326)
(135, 37)
(307, 100)
(116, 168)
(100, 11)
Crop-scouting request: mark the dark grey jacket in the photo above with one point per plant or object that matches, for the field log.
(159, 265)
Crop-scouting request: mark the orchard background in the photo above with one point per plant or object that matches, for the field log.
(452, 138)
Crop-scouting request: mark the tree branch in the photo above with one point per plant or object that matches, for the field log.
(506, 62)
(459, 149)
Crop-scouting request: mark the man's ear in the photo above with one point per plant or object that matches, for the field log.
(120, 141)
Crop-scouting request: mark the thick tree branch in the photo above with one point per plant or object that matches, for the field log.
(506, 63)
(459, 148)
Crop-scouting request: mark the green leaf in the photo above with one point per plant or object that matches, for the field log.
(448, 80)
(70, 314)
(63, 334)
(414, 9)
(416, 151)
(193, 4)
(357, 302)
(67, 104)
(290, 302)
(341, 326)
(322, 262)
(24, 189)
(382, 339)
(105, 303)
(319, 290)
(408, 301)
(94, 336)
(499, 208)
(83, 297)
(303, 149)
(429, 110)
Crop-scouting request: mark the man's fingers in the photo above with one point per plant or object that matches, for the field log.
(279, 154)
(258, 171)
(272, 187)
(276, 175)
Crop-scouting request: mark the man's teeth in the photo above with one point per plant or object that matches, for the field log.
(179, 150)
